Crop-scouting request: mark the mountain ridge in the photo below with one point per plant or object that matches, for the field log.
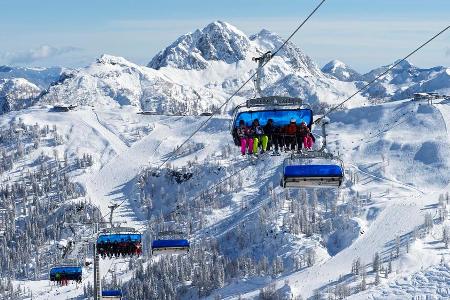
(199, 70)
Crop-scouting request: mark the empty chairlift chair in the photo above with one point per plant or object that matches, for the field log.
(309, 174)
(119, 242)
(170, 246)
(171, 239)
(301, 176)
(112, 294)
(63, 274)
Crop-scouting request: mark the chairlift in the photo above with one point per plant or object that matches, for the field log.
(119, 241)
(64, 273)
(278, 108)
(170, 246)
(307, 174)
(283, 111)
(170, 241)
(112, 294)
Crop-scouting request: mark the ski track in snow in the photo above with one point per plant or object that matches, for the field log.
(113, 140)
(113, 182)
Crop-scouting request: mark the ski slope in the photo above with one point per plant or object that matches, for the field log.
(404, 183)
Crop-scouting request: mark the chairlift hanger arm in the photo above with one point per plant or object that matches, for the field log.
(262, 61)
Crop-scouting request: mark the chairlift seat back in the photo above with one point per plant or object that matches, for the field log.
(119, 238)
(281, 117)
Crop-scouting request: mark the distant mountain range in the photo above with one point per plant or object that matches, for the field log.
(401, 82)
(198, 71)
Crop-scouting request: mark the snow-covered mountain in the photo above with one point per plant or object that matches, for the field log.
(21, 87)
(341, 71)
(401, 82)
(114, 81)
(41, 77)
(17, 93)
(406, 79)
(219, 41)
(197, 73)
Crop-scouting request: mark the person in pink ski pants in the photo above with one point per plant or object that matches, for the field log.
(245, 136)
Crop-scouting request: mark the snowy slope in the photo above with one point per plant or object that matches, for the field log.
(398, 185)
(402, 182)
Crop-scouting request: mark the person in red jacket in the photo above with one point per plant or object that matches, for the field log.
(290, 132)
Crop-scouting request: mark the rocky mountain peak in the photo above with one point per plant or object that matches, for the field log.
(218, 41)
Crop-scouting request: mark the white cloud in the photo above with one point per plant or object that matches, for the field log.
(36, 54)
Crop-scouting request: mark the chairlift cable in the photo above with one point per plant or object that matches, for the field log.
(382, 74)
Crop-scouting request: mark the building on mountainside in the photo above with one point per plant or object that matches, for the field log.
(148, 112)
(63, 107)
(428, 96)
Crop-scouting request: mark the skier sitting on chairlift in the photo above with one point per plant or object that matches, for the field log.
(272, 132)
(259, 136)
(290, 132)
(246, 138)
(304, 136)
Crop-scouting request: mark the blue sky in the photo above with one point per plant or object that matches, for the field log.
(363, 33)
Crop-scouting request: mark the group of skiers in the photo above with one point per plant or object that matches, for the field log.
(287, 137)
(63, 278)
(116, 249)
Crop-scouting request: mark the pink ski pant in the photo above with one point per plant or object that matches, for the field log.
(246, 143)
(308, 142)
